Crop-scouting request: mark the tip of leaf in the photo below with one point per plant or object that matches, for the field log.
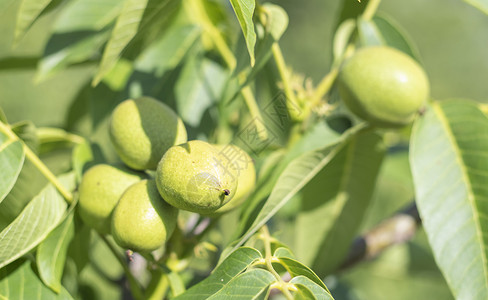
(96, 80)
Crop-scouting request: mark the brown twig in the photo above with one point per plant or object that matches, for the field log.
(400, 228)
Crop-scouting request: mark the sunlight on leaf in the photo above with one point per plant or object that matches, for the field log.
(244, 10)
(28, 12)
(482, 5)
(449, 159)
(125, 29)
(248, 285)
(317, 291)
(11, 161)
(233, 265)
(34, 223)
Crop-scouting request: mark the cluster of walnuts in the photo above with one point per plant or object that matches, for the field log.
(381, 85)
(138, 206)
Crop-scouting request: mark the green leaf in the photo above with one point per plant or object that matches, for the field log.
(294, 177)
(277, 20)
(244, 9)
(29, 183)
(125, 29)
(157, 18)
(244, 73)
(283, 252)
(65, 49)
(381, 30)
(234, 264)
(34, 223)
(449, 149)
(28, 12)
(301, 292)
(55, 138)
(11, 161)
(78, 34)
(88, 16)
(296, 268)
(350, 10)
(199, 86)
(302, 282)
(479, 4)
(79, 248)
(51, 253)
(173, 46)
(335, 202)
(248, 285)
(85, 155)
(342, 37)
(176, 284)
(319, 137)
(20, 281)
(27, 132)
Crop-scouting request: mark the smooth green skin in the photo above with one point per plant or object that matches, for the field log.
(100, 190)
(141, 131)
(246, 175)
(191, 177)
(142, 221)
(383, 86)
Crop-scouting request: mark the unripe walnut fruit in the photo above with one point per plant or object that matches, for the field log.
(142, 221)
(141, 131)
(100, 190)
(190, 176)
(245, 171)
(383, 86)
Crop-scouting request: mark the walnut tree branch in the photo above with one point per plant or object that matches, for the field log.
(399, 228)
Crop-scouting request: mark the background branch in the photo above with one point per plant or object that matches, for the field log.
(399, 228)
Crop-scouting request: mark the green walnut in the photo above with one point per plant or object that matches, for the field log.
(142, 130)
(383, 86)
(142, 221)
(191, 177)
(100, 190)
(246, 175)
